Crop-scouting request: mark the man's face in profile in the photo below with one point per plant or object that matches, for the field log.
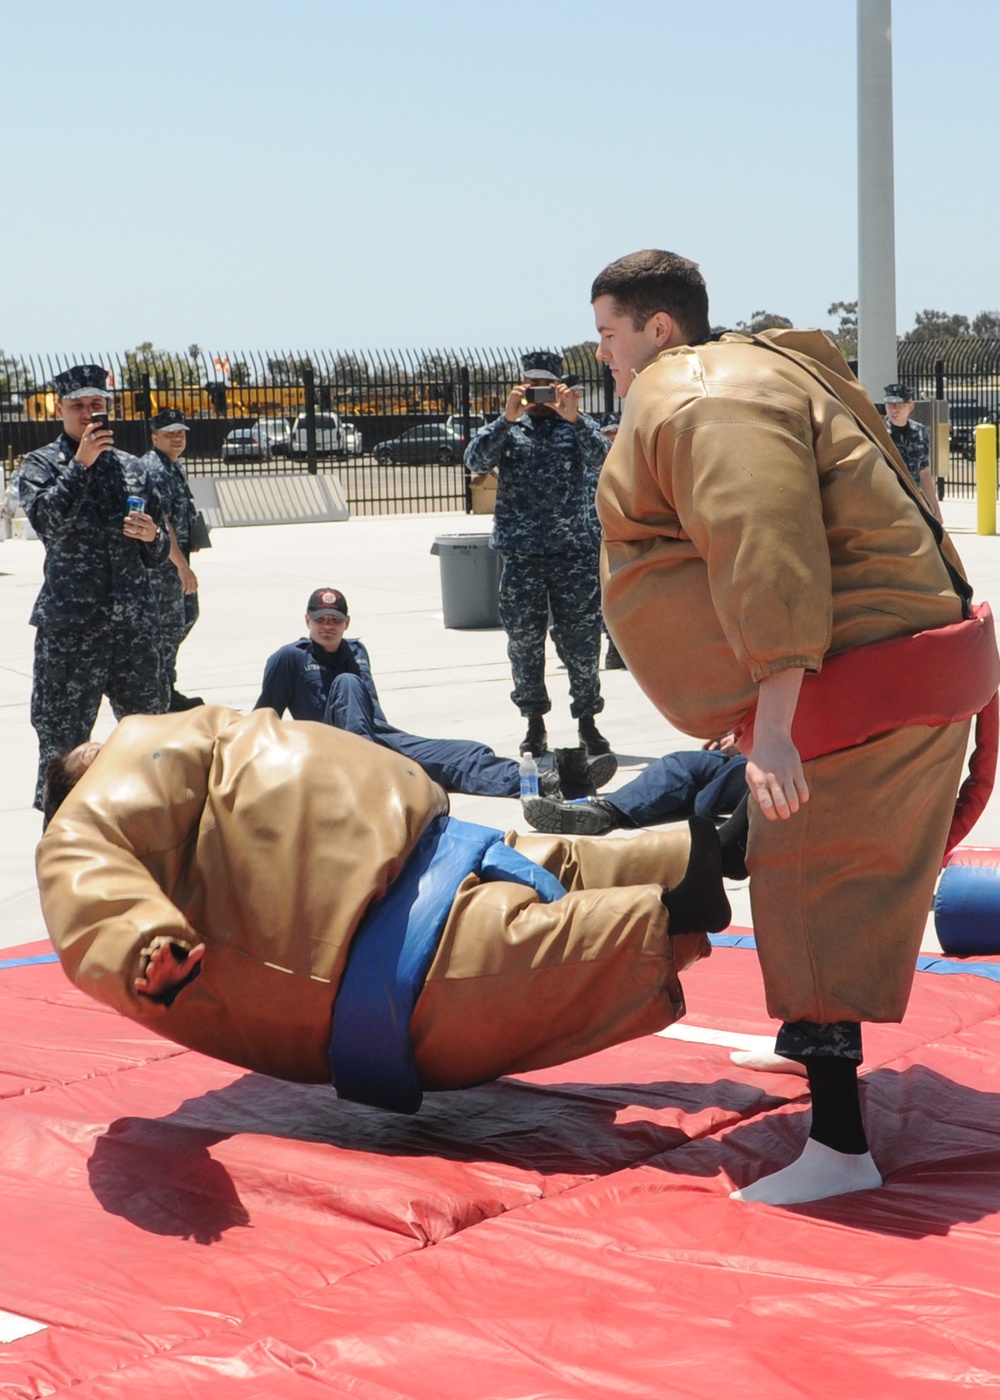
(625, 350)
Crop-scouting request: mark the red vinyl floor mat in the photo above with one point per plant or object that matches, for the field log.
(180, 1228)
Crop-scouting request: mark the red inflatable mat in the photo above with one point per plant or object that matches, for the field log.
(182, 1228)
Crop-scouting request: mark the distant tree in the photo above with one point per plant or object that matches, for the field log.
(846, 332)
(166, 368)
(350, 369)
(137, 362)
(579, 359)
(15, 376)
(437, 362)
(763, 321)
(933, 325)
(288, 369)
(987, 324)
(240, 374)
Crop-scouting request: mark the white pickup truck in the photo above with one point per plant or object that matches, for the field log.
(331, 441)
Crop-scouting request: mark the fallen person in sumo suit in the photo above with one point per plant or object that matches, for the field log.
(295, 900)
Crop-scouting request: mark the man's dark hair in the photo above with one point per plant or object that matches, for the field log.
(58, 782)
(644, 283)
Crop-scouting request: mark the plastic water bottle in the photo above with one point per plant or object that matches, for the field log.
(528, 770)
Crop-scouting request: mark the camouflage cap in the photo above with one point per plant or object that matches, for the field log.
(898, 393)
(168, 420)
(542, 364)
(81, 382)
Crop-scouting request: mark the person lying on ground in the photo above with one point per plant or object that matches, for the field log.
(327, 676)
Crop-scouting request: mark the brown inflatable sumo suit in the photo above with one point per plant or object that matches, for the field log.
(272, 841)
(752, 525)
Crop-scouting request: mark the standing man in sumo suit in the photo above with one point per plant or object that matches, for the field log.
(756, 513)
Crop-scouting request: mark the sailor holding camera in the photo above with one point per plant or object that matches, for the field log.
(99, 517)
(547, 456)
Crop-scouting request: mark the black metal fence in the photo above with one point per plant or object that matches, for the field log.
(346, 411)
(964, 370)
(294, 411)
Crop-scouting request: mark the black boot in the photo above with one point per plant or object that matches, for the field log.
(180, 702)
(580, 775)
(587, 816)
(699, 904)
(733, 835)
(590, 736)
(613, 660)
(536, 741)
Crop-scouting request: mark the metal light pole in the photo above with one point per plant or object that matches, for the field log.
(876, 214)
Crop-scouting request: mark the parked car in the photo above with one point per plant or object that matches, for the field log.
(277, 432)
(963, 415)
(329, 436)
(246, 445)
(352, 440)
(476, 421)
(430, 442)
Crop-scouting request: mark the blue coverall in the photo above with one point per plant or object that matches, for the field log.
(337, 687)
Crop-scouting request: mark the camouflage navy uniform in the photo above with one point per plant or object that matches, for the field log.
(547, 471)
(913, 442)
(178, 610)
(98, 632)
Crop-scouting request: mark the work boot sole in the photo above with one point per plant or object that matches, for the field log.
(603, 767)
(546, 814)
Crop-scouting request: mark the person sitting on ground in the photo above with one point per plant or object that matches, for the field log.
(297, 901)
(327, 676)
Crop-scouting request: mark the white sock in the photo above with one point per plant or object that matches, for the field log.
(766, 1062)
(818, 1173)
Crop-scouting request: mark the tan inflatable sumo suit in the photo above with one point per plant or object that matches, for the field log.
(752, 526)
(270, 840)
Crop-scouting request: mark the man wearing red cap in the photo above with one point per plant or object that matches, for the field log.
(327, 676)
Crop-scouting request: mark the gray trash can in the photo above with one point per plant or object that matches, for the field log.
(470, 580)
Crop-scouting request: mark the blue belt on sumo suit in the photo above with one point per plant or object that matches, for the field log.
(371, 1054)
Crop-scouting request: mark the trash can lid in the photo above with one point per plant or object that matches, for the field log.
(459, 541)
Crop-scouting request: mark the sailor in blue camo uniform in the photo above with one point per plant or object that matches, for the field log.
(912, 441)
(175, 586)
(97, 627)
(548, 458)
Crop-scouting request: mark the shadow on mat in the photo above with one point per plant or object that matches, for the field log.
(159, 1174)
(162, 1178)
(936, 1142)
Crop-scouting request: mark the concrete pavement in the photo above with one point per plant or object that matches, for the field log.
(441, 682)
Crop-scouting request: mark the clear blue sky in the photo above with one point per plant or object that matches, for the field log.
(382, 173)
